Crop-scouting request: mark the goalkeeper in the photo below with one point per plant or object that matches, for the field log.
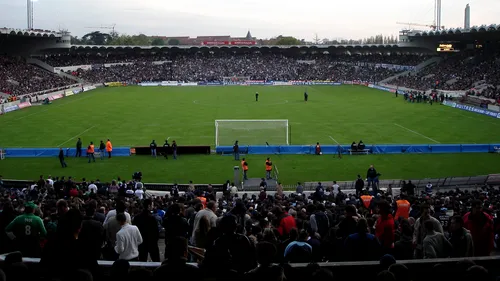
(306, 96)
(256, 96)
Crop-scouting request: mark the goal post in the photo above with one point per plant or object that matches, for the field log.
(251, 132)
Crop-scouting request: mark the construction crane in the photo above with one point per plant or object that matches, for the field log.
(432, 26)
(110, 26)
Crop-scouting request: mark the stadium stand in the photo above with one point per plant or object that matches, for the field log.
(17, 77)
(287, 234)
(455, 72)
(211, 67)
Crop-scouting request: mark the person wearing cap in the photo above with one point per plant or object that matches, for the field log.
(26, 230)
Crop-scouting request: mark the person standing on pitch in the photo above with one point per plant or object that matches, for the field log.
(236, 151)
(90, 151)
(79, 148)
(306, 96)
(61, 158)
(109, 148)
(269, 168)
(102, 148)
(152, 146)
(244, 167)
(256, 96)
(174, 149)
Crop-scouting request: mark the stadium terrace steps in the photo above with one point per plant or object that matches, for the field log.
(253, 183)
(419, 67)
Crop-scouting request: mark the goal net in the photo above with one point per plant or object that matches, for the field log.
(230, 80)
(251, 132)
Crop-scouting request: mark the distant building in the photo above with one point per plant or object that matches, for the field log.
(211, 40)
(467, 17)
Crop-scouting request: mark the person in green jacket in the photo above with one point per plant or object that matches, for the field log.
(27, 230)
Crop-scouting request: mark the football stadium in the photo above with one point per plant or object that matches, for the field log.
(224, 158)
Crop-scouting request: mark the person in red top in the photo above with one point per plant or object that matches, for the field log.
(480, 225)
(384, 229)
(318, 149)
(285, 221)
(73, 192)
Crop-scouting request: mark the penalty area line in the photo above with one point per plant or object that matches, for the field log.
(88, 129)
(416, 133)
(334, 140)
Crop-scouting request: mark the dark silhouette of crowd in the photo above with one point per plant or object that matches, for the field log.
(230, 236)
(18, 77)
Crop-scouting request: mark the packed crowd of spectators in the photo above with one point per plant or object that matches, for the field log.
(396, 59)
(18, 77)
(135, 73)
(75, 59)
(213, 68)
(457, 72)
(245, 236)
(70, 59)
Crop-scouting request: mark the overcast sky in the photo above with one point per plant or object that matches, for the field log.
(264, 18)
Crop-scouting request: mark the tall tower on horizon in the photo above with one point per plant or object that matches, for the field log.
(30, 13)
(467, 17)
(437, 15)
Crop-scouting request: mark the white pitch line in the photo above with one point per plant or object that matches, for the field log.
(90, 128)
(334, 140)
(168, 138)
(416, 133)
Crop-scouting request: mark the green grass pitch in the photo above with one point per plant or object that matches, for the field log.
(133, 116)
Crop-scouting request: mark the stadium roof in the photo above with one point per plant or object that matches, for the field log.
(455, 31)
(322, 47)
(30, 32)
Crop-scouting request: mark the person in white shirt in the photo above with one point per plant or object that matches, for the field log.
(139, 193)
(128, 239)
(92, 187)
(234, 190)
(138, 185)
(50, 181)
(335, 188)
(120, 208)
(210, 215)
(130, 192)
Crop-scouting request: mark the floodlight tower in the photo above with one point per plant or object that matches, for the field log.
(30, 13)
(437, 14)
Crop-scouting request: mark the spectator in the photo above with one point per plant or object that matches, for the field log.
(435, 245)
(266, 254)
(128, 239)
(460, 239)
(480, 226)
(363, 246)
(299, 251)
(420, 231)
(148, 226)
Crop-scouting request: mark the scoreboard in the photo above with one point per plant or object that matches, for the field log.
(448, 48)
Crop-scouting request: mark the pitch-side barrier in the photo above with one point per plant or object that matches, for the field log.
(373, 149)
(54, 152)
